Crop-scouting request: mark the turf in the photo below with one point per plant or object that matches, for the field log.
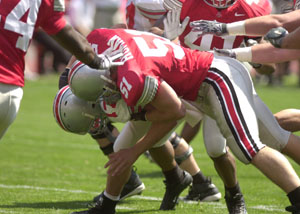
(46, 170)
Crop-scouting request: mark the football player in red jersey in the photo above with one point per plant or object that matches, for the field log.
(156, 72)
(18, 21)
(142, 15)
(275, 27)
(227, 11)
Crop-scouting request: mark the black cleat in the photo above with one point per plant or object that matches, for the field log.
(294, 209)
(103, 206)
(134, 186)
(173, 191)
(235, 203)
(203, 192)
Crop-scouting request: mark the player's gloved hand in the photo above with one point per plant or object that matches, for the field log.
(209, 27)
(275, 36)
(172, 26)
(225, 52)
(106, 61)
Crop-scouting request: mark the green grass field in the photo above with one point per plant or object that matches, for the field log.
(46, 170)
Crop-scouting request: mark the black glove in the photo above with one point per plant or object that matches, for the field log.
(275, 36)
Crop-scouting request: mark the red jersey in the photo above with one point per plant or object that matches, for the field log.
(18, 21)
(149, 60)
(198, 9)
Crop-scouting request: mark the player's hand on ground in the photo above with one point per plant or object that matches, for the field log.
(120, 161)
(225, 52)
(172, 26)
(203, 27)
(275, 36)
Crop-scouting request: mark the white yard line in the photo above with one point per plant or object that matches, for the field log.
(214, 204)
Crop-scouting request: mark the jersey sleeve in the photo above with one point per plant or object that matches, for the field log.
(54, 21)
(136, 89)
(173, 4)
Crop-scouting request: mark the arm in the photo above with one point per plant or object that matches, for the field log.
(292, 40)
(257, 26)
(167, 110)
(76, 44)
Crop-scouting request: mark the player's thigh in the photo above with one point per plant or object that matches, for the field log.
(10, 100)
(229, 100)
(214, 141)
(270, 131)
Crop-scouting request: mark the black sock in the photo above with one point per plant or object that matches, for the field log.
(174, 175)
(294, 196)
(199, 178)
(233, 190)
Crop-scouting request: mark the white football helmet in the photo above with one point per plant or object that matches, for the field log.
(74, 114)
(88, 83)
(220, 4)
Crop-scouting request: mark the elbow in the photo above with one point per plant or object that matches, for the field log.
(180, 113)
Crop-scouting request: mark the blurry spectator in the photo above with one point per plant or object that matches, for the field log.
(108, 13)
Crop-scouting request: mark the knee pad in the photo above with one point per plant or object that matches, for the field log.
(107, 149)
(175, 140)
(180, 158)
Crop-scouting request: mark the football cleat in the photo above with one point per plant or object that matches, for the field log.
(205, 192)
(173, 191)
(134, 186)
(235, 203)
(294, 209)
(103, 206)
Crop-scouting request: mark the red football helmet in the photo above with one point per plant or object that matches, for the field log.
(220, 4)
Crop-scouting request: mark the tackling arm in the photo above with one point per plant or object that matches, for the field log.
(168, 108)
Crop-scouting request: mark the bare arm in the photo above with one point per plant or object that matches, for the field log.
(259, 26)
(292, 40)
(266, 53)
(76, 44)
(167, 110)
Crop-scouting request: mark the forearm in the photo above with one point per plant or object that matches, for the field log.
(265, 53)
(76, 44)
(259, 26)
(156, 132)
(292, 40)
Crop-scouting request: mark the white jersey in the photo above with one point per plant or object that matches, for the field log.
(140, 14)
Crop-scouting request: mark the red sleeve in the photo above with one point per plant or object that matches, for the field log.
(131, 86)
(55, 23)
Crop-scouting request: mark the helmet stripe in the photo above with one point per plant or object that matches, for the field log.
(75, 67)
(56, 105)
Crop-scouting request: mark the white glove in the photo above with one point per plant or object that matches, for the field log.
(172, 26)
(225, 52)
(209, 27)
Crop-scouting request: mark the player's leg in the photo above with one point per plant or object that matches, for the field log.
(273, 135)
(225, 165)
(188, 132)
(289, 119)
(176, 179)
(231, 100)
(10, 100)
(202, 188)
